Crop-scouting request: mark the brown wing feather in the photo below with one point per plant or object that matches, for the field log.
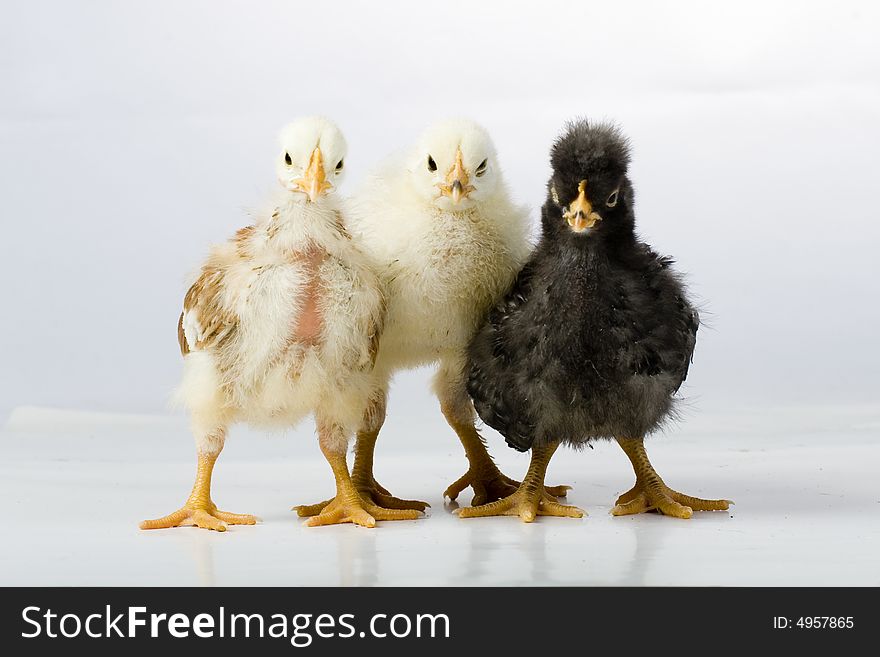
(181, 337)
(203, 299)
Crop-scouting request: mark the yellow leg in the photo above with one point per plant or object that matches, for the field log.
(348, 505)
(651, 494)
(488, 482)
(530, 499)
(362, 473)
(365, 482)
(483, 476)
(199, 510)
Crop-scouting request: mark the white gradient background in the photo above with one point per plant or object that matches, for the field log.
(134, 136)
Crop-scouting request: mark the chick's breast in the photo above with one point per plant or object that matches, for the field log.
(353, 304)
(442, 285)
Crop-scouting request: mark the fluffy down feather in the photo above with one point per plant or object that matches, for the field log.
(444, 266)
(597, 333)
(283, 320)
(439, 222)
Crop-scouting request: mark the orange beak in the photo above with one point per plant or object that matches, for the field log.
(580, 215)
(457, 184)
(314, 180)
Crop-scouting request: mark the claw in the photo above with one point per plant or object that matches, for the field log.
(308, 510)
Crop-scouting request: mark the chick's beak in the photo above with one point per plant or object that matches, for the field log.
(314, 182)
(457, 184)
(580, 215)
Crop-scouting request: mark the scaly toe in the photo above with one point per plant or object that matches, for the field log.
(557, 491)
(391, 502)
(360, 512)
(638, 504)
(456, 487)
(490, 485)
(699, 504)
(381, 513)
(308, 510)
(235, 518)
(560, 510)
(166, 522)
(521, 504)
(669, 507)
(361, 517)
(341, 515)
(204, 518)
(512, 505)
(378, 495)
(629, 495)
(666, 501)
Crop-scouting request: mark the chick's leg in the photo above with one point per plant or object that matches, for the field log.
(651, 494)
(362, 473)
(348, 505)
(530, 499)
(198, 509)
(364, 481)
(483, 476)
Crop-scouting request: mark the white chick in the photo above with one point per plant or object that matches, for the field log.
(283, 321)
(439, 222)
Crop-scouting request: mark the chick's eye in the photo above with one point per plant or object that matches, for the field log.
(432, 165)
(287, 159)
(482, 168)
(339, 165)
(612, 198)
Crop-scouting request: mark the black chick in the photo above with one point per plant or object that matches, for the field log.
(594, 339)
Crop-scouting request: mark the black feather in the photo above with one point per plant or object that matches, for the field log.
(596, 335)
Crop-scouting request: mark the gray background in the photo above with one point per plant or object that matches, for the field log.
(134, 135)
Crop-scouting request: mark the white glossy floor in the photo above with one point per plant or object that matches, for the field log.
(74, 486)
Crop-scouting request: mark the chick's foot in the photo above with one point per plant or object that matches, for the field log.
(650, 493)
(370, 491)
(662, 499)
(527, 503)
(364, 482)
(530, 499)
(483, 476)
(490, 484)
(206, 516)
(199, 510)
(356, 510)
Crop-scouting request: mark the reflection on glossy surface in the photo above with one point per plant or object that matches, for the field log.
(806, 513)
(357, 559)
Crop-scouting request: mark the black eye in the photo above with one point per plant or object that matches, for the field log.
(612, 199)
(432, 165)
(482, 168)
(287, 159)
(339, 165)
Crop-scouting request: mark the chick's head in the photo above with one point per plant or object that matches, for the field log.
(312, 158)
(589, 193)
(454, 165)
